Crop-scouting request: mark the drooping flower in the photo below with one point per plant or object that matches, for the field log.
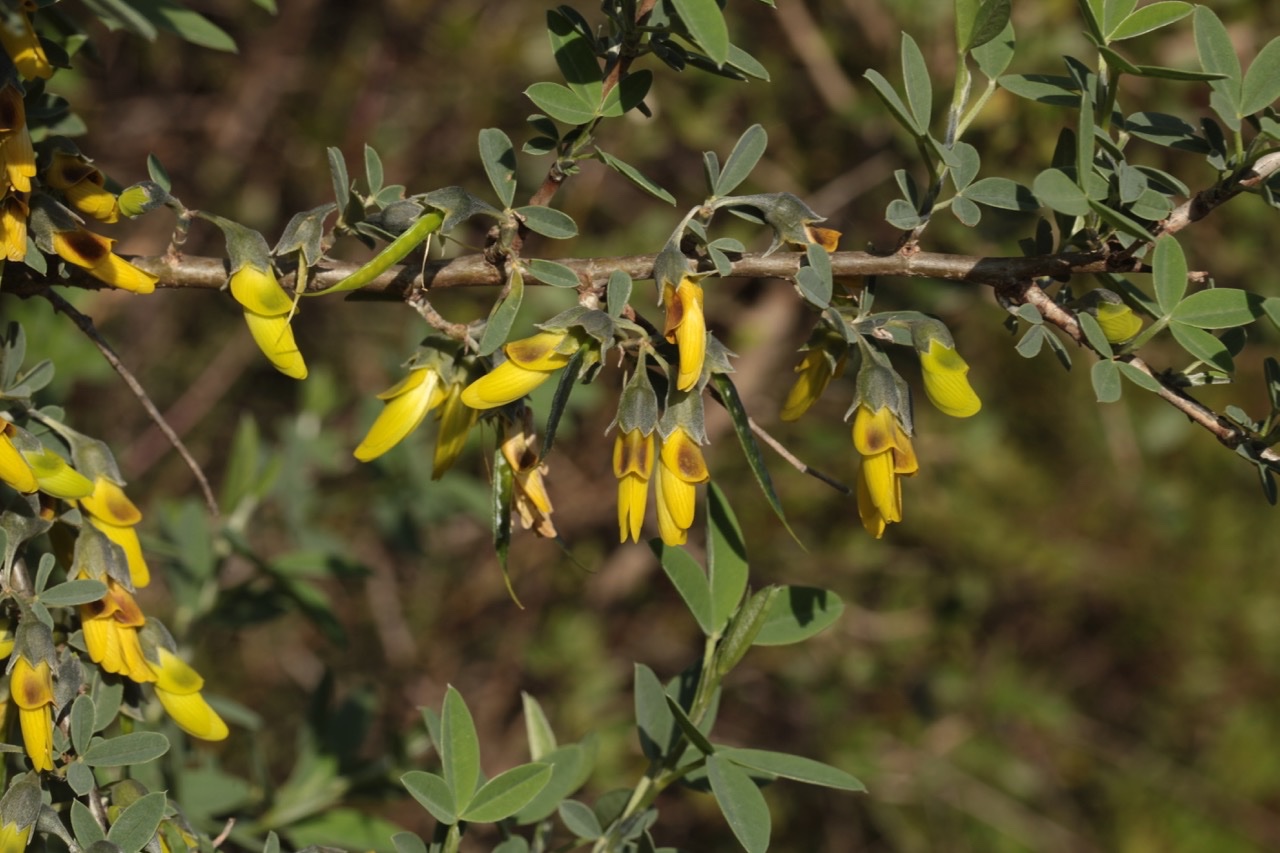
(532, 502)
(23, 46)
(456, 420)
(110, 511)
(15, 470)
(1118, 321)
(15, 140)
(13, 228)
(93, 252)
(110, 628)
(681, 468)
(55, 477)
(19, 809)
(31, 687)
(946, 380)
(178, 686)
(887, 455)
(633, 466)
(815, 372)
(530, 362)
(407, 403)
(82, 184)
(686, 327)
(266, 313)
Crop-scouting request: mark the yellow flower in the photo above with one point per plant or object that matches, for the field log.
(815, 373)
(946, 381)
(7, 638)
(681, 468)
(93, 252)
(111, 633)
(532, 503)
(257, 290)
(82, 184)
(456, 420)
(266, 313)
(13, 228)
(14, 839)
(55, 477)
(15, 140)
(686, 327)
(14, 468)
(32, 691)
(111, 511)
(632, 465)
(407, 403)
(530, 362)
(886, 456)
(1118, 321)
(177, 687)
(827, 238)
(23, 46)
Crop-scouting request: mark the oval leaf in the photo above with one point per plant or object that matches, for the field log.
(499, 159)
(797, 613)
(1106, 381)
(507, 793)
(1169, 273)
(706, 25)
(1150, 18)
(138, 823)
(792, 767)
(134, 748)
(433, 793)
(742, 159)
(1262, 83)
(1003, 193)
(548, 222)
(556, 275)
(741, 803)
(1057, 190)
(1202, 346)
(689, 580)
(74, 592)
(581, 820)
(1219, 308)
(561, 103)
(459, 749)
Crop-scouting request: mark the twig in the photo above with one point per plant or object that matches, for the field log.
(85, 323)
(800, 466)
(226, 832)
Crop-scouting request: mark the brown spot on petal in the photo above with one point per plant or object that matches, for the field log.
(12, 115)
(91, 248)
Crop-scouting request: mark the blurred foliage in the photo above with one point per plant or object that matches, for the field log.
(1067, 643)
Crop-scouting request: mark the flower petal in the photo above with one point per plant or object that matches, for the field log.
(400, 416)
(946, 381)
(193, 715)
(259, 291)
(275, 338)
(505, 383)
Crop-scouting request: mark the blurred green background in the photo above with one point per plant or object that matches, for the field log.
(1072, 642)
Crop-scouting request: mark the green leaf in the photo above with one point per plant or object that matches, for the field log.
(1271, 305)
(1114, 12)
(891, 100)
(1163, 73)
(82, 714)
(1150, 18)
(742, 426)
(653, 718)
(407, 842)
(742, 159)
(1059, 191)
(1138, 377)
(1262, 83)
(1219, 308)
(503, 315)
(542, 740)
(552, 273)
(575, 58)
(798, 613)
(1122, 222)
(1092, 10)
(560, 400)
(726, 558)
(628, 94)
(990, 21)
(706, 25)
(900, 214)
(915, 78)
(1218, 56)
(1169, 273)
(581, 820)
(689, 580)
(1029, 345)
(507, 793)
(341, 180)
(138, 823)
(747, 64)
(570, 767)
(741, 803)
(994, 56)
(372, 169)
(1003, 193)
(133, 748)
(686, 726)
(187, 24)
(1045, 88)
(85, 827)
(1093, 333)
(814, 279)
(791, 767)
(618, 292)
(433, 793)
(503, 484)
(1106, 381)
(966, 13)
(1202, 346)
(499, 159)
(460, 750)
(75, 592)
(561, 103)
(968, 213)
(548, 221)
(632, 174)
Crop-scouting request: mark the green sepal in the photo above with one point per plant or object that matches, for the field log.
(34, 641)
(99, 558)
(305, 234)
(48, 217)
(458, 206)
(684, 411)
(21, 803)
(785, 213)
(142, 197)
(638, 403)
(244, 245)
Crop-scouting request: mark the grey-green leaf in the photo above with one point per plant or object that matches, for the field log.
(742, 427)
(1003, 193)
(133, 748)
(581, 820)
(561, 103)
(1218, 56)
(503, 315)
(915, 77)
(1057, 190)
(433, 793)
(1150, 18)
(1219, 308)
(633, 174)
(82, 714)
(1169, 273)
(548, 221)
(726, 558)
(618, 292)
(741, 803)
(1093, 333)
(138, 823)
(507, 793)
(1138, 377)
(706, 24)
(542, 739)
(1106, 381)
(792, 767)
(991, 20)
(552, 273)
(460, 750)
(498, 156)
(797, 613)
(742, 159)
(653, 718)
(74, 592)
(689, 580)
(1262, 83)
(575, 58)
(890, 97)
(1202, 345)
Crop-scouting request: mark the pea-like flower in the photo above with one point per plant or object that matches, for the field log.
(178, 686)
(15, 470)
(31, 687)
(530, 362)
(456, 421)
(110, 628)
(532, 502)
(815, 372)
(686, 327)
(109, 510)
(93, 253)
(20, 41)
(681, 468)
(946, 380)
(266, 313)
(407, 403)
(13, 228)
(18, 156)
(633, 466)
(887, 455)
(83, 185)
(1118, 321)
(55, 477)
